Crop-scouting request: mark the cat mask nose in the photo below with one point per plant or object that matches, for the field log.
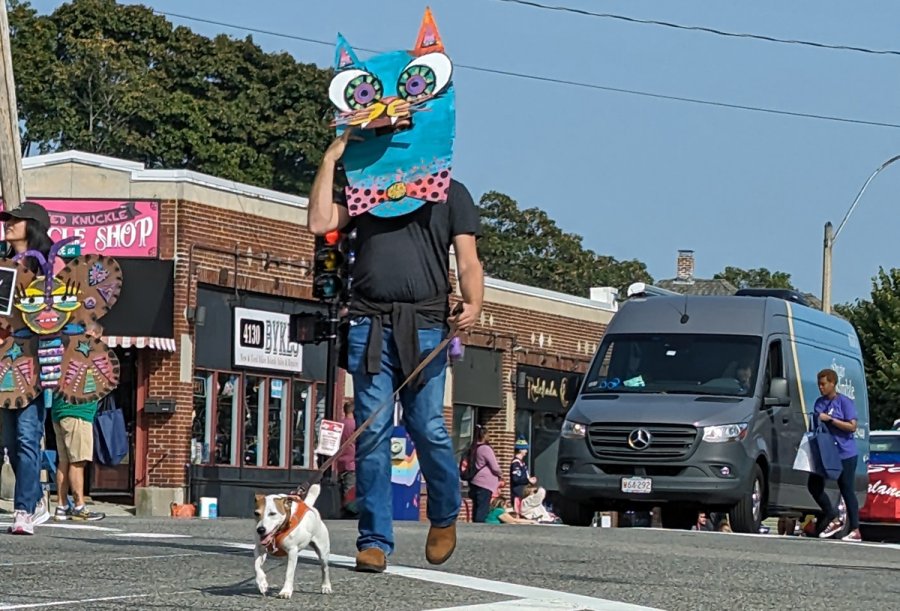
(382, 113)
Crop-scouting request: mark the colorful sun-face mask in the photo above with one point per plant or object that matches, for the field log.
(392, 173)
(48, 349)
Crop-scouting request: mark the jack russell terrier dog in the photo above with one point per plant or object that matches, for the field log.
(286, 524)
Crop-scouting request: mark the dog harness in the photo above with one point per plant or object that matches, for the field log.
(297, 509)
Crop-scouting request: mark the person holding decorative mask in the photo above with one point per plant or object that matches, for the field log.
(26, 229)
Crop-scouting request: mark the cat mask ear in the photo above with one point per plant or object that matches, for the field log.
(344, 57)
(429, 39)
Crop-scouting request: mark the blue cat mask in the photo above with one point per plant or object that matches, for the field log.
(392, 173)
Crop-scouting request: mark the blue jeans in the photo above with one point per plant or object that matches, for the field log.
(423, 415)
(481, 502)
(22, 432)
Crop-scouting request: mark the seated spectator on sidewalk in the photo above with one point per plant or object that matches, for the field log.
(787, 526)
(26, 230)
(502, 513)
(703, 523)
(519, 477)
(532, 506)
(74, 429)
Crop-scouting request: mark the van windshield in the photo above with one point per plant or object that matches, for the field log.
(676, 363)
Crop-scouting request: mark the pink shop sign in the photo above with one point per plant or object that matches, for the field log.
(118, 228)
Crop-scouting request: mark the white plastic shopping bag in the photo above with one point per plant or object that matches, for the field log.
(804, 460)
(7, 479)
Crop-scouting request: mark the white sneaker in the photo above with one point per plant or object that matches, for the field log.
(40, 514)
(22, 524)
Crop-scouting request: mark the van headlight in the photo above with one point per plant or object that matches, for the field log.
(573, 430)
(725, 432)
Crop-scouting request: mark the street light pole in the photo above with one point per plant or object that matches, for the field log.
(831, 237)
(826, 268)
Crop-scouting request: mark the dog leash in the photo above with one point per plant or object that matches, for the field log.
(303, 488)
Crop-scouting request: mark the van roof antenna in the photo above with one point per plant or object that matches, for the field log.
(684, 315)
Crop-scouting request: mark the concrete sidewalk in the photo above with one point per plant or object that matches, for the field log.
(110, 509)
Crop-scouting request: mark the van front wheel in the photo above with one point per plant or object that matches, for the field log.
(747, 515)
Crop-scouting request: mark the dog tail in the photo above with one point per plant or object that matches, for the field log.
(313, 494)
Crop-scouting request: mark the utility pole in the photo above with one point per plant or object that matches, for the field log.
(11, 180)
(331, 358)
(826, 268)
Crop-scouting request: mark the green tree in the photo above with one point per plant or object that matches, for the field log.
(120, 80)
(33, 45)
(527, 246)
(756, 278)
(877, 322)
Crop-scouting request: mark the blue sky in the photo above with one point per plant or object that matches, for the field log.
(640, 177)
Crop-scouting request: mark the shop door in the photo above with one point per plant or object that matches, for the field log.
(116, 480)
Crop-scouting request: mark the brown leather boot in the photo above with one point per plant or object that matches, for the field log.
(371, 560)
(440, 543)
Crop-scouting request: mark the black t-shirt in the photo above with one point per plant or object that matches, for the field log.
(406, 259)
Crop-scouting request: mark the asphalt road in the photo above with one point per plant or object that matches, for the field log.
(176, 564)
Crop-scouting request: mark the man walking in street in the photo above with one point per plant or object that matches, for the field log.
(407, 213)
(74, 429)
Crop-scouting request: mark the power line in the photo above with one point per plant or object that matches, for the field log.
(559, 81)
(694, 28)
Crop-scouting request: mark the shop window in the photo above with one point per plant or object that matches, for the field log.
(464, 419)
(201, 425)
(254, 420)
(301, 400)
(544, 441)
(227, 418)
(276, 420)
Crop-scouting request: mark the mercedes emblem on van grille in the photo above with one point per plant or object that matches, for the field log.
(639, 439)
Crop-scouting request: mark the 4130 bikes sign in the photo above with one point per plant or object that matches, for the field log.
(261, 341)
(117, 228)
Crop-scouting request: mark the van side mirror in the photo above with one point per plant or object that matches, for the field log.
(778, 393)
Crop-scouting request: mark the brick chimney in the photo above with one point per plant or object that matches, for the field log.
(684, 266)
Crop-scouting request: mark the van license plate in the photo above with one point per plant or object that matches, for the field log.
(637, 485)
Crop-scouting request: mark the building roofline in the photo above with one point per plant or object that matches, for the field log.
(533, 291)
(139, 173)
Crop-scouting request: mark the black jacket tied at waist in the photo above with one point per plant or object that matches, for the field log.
(403, 318)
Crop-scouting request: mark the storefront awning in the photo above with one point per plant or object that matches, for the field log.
(154, 343)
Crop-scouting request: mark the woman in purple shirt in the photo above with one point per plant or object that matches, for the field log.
(838, 412)
(487, 475)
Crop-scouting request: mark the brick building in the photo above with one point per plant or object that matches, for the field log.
(211, 269)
